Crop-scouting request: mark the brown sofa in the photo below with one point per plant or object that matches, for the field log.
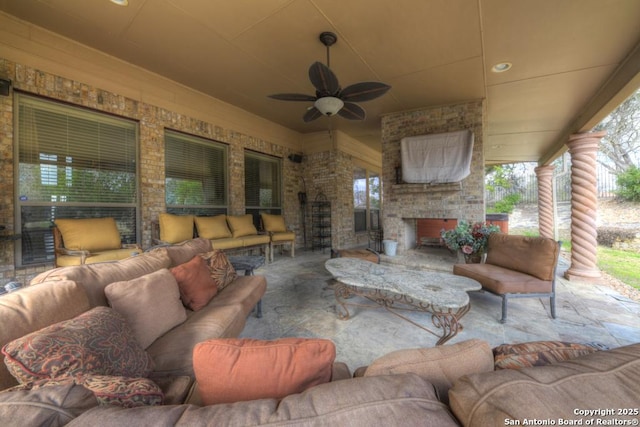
(449, 385)
(65, 292)
(517, 267)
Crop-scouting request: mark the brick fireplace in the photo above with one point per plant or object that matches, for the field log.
(405, 203)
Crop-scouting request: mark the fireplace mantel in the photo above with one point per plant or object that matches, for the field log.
(423, 188)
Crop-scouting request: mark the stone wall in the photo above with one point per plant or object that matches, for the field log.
(464, 200)
(153, 120)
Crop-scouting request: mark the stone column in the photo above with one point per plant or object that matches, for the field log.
(545, 201)
(584, 200)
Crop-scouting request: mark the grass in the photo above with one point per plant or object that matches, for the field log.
(623, 265)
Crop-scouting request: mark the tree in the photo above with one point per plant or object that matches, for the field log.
(620, 148)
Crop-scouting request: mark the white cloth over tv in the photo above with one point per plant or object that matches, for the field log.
(437, 158)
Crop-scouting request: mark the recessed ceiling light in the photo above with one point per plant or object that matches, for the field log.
(121, 2)
(501, 67)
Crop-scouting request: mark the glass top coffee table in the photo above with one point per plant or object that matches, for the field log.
(443, 295)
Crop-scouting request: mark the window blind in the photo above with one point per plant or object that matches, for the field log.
(262, 184)
(195, 175)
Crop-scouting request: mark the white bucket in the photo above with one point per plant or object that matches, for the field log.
(390, 247)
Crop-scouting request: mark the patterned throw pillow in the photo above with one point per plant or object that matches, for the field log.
(537, 353)
(123, 391)
(98, 341)
(221, 270)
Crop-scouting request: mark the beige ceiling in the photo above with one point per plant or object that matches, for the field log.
(573, 60)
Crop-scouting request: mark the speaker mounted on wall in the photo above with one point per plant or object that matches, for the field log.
(295, 158)
(5, 85)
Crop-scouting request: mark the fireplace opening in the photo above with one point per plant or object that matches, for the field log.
(428, 230)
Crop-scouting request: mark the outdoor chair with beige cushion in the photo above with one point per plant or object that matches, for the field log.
(278, 233)
(89, 240)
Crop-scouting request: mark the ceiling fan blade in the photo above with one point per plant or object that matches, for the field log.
(311, 114)
(293, 97)
(364, 91)
(325, 82)
(352, 111)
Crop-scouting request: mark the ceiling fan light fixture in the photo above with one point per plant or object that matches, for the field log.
(328, 105)
(121, 2)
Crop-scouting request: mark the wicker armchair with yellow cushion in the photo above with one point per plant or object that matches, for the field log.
(90, 240)
(278, 233)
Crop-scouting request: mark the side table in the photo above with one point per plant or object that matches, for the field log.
(248, 263)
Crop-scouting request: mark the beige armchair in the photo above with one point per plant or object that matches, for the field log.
(87, 241)
(278, 233)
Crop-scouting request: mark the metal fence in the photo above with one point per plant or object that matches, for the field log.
(527, 187)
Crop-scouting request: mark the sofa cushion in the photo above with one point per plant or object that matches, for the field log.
(195, 283)
(283, 237)
(151, 304)
(241, 225)
(89, 234)
(255, 239)
(175, 228)
(501, 280)
(98, 341)
(536, 256)
(212, 227)
(32, 308)
(441, 365)
(48, 406)
(220, 269)
(231, 370)
(404, 399)
(537, 353)
(273, 223)
(603, 379)
(95, 277)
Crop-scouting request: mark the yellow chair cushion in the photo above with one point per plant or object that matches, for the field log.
(283, 237)
(106, 256)
(226, 243)
(175, 228)
(241, 225)
(258, 239)
(90, 234)
(273, 223)
(212, 227)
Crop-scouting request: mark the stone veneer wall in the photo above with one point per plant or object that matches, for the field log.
(460, 201)
(152, 122)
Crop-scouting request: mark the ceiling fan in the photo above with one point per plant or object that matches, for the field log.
(330, 98)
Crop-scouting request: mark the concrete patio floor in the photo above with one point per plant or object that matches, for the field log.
(299, 302)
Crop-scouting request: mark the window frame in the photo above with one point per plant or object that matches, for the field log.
(277, 209)
(123, 211)
(367, 210)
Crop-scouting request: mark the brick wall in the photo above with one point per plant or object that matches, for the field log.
(460, 201)
(152, 122)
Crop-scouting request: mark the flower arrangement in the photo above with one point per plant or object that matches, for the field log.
(470, 239)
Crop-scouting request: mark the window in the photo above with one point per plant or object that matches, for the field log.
(262, 185)
(195, 175)
(366, 200)
(71, 163)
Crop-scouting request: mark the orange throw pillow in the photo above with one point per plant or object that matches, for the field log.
(195, 284)
(236, 369)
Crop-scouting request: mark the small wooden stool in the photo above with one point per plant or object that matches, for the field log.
(365, 254)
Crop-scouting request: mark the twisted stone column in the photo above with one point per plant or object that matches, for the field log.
(546, 222)
(583, 148)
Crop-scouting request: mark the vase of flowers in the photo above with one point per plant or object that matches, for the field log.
(469, 239)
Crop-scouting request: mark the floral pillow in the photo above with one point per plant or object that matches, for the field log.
(537, 353)
(98, 342)
(220, 269)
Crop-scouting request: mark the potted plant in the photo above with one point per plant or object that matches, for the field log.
(469, 239)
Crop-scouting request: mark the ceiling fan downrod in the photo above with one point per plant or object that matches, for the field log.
(328, 39)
